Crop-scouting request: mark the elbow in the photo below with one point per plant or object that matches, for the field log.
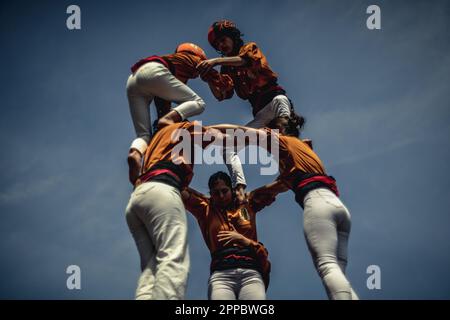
(228, 94)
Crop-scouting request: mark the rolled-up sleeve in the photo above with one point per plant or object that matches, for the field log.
(221, 82)
(197, 205)
(252, 54)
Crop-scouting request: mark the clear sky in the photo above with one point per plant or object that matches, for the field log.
(377, 109)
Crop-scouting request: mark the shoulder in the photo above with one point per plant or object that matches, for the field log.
(250, 45)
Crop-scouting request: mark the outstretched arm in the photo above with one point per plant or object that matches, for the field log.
(265, 195)
(188, 192)
(273, 188)
(235, 61)
(195, 202)
(206, 65)
(223, 127)
(226, 126)
(249, 133)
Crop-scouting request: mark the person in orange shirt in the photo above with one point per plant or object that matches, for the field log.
(164, 77)
(156, 215)
(239, 263)
(246, 71)
(326, 220)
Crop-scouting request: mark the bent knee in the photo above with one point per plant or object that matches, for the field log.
(201, 105)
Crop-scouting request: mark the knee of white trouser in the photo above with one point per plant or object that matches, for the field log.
(190, 108)
(201, 105)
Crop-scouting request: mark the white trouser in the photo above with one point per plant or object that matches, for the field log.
(279, 106)
(236, 284)
(154, 79)
(326, 224)
(157, 220)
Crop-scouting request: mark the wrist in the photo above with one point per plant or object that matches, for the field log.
(244, 241)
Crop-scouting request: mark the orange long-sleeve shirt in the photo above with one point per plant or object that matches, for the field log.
(211, 219)
(296, 156)
(249, 79)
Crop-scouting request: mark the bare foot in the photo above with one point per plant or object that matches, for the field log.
(134, 165)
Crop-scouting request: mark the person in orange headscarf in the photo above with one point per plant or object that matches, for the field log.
(244, 69)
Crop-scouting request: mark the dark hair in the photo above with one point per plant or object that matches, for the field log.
(236, 36)
(295, 124)
(237, 42)
(220, 175)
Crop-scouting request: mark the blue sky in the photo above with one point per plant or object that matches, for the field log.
(377, 108)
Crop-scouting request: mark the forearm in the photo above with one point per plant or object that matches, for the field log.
(230, 61)
(246, 242)
(265, 195)
(275, 187)
(223, 127)
(230, 134)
